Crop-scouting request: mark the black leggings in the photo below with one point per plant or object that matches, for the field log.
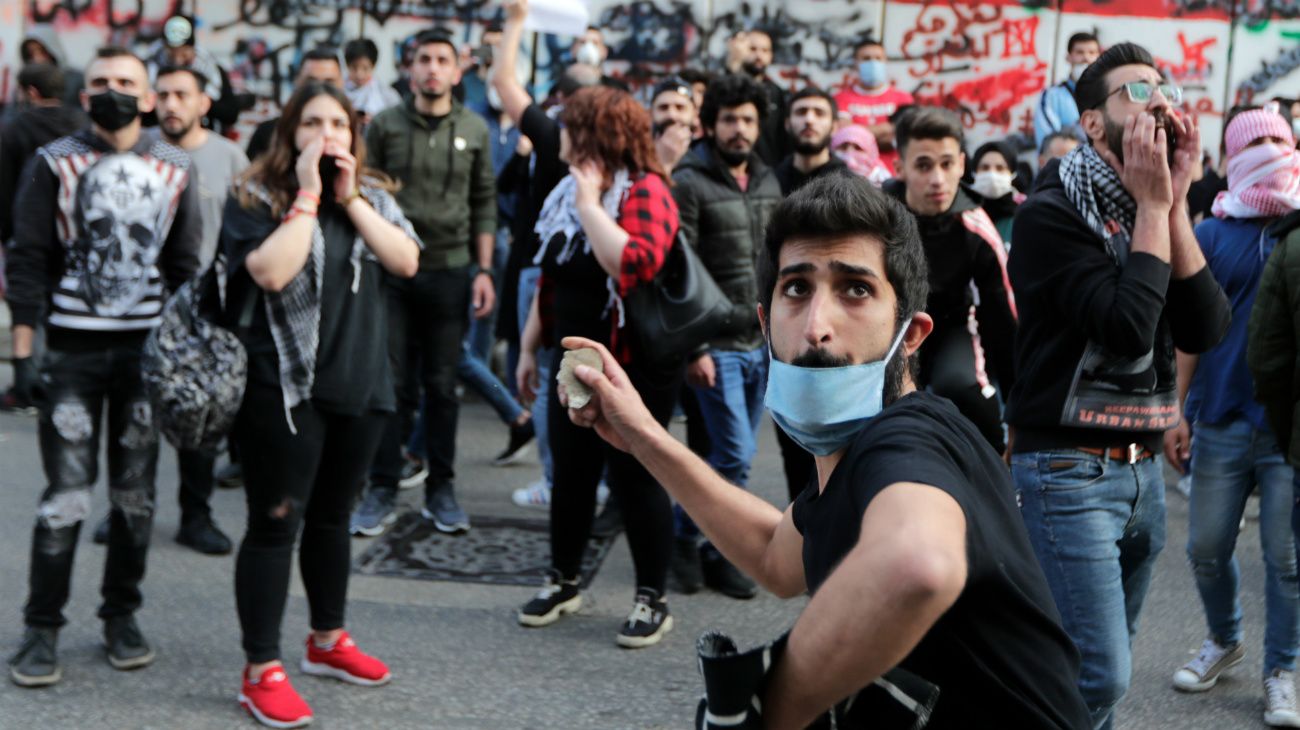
(307, 480)
(952, 366)
(580, 457)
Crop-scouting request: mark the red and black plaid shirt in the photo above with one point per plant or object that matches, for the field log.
(649, 215)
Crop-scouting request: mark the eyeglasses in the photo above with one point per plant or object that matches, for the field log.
(1140, 92)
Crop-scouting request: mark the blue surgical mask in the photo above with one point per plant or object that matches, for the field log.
(872, 73)
(822, 409)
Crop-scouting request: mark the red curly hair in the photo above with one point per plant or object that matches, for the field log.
(607, 126)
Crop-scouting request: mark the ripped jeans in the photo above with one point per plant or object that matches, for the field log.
(297, 483)
(75, 386)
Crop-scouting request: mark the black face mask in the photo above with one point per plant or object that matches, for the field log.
(329, 173)
(112, 109)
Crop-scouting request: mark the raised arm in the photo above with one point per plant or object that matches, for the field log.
(514, 97)
(754, 535)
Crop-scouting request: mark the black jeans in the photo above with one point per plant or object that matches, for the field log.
(580, 457)
(197, 481)
(307, 480)
(427, 322)
(75, 386)
(952, 366)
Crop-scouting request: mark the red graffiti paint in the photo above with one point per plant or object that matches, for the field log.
(1194, 67)
(990, 99)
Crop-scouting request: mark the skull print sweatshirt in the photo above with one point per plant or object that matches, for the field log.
(101, 236)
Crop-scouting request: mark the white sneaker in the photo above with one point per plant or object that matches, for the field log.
(1203, 672)
(537, 495)
(1279, 700)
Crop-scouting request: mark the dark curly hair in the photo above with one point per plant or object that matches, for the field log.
(730, 91)
(607, 126)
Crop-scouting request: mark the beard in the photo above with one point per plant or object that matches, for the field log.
(175, 130)
(812, 147)
(731, 156)
(1115, 135)
(431, 95)
(753, 68)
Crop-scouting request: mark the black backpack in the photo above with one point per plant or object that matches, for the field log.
(194, 370)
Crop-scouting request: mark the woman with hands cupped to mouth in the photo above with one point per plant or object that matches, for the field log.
(308, 237)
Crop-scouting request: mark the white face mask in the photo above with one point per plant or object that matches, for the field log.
(993, 184)
(589, 54)
(1076, 69)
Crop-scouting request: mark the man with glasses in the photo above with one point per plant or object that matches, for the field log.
(1109, 279)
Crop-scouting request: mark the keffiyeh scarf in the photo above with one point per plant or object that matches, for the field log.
(294, 312)
(559, 217)
(1263, 182)
(1095, 190)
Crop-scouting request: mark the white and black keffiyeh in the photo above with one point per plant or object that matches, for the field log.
(294, 312)
(559, 216)
(1100, 197)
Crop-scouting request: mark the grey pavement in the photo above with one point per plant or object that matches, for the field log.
(458, 658)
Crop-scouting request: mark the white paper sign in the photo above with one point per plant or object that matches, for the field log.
(561, 17)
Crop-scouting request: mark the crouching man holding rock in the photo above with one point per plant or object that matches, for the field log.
(909, 540)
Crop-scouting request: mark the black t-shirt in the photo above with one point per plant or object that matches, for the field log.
(433, 121)
(352, 372)
(999, 655)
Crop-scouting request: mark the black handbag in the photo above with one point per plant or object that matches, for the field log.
(678, 310)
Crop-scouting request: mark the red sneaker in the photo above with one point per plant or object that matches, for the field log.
(346, 662)
(273, 701)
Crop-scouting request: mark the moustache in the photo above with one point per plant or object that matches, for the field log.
(820, 359)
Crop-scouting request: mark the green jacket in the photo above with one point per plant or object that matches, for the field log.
(1274, 330)
(448, 189)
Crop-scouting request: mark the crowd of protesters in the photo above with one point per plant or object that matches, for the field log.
(979, 364)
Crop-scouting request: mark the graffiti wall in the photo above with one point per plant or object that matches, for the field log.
(987, 60)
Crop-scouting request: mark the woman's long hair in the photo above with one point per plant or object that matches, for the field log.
(607, 126)
(274, 170)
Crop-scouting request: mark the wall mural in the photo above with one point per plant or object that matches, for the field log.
(989, 61)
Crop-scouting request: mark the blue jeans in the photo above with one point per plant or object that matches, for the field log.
(1228, 460)
(527, 289)
(1097, 526)
(732, 411)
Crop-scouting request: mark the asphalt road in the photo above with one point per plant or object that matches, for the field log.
(458, 658)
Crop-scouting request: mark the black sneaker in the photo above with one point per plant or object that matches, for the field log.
(204, 536)
(127, 648)
(12, 402)
(440, 506)
(414, 472)
(725, 578)
(36, 663)
(101, 530)
(686, 565)
(517, 449)
(647, 623)
(610, 520)
(556, 598)
(230, 476)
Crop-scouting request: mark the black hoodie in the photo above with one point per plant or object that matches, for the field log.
(959, 256)
(1070, 292)
(21, 136)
